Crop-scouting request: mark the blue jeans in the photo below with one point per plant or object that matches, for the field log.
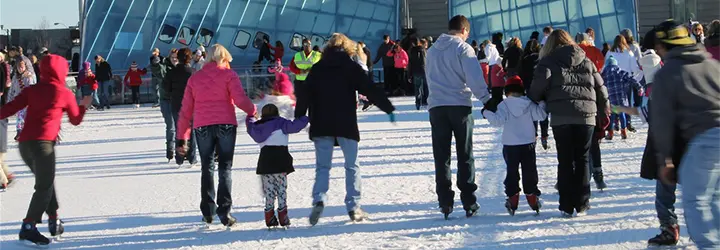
(105, 92)
(665, 203)
(166, 110)
(222, 139)
(156, 84)
(614, 117)
(190, 155)
(699, 175)
(323, 161)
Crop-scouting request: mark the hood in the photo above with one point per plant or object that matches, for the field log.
(446, 41)
(86, 65)
(567, 55)
(54, 70)
(649, 58)
(492, 55)
(693, 53)
(517, 106)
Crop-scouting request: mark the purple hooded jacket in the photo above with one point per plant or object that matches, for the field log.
(261, 130)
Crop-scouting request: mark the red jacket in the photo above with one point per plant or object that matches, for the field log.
(90, 80)
(45, 101)
(278, 52)
(135, 77)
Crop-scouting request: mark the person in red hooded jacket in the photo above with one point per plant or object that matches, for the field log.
(133, 79)
(50, 99)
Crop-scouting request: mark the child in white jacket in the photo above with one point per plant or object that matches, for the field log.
(516, 115)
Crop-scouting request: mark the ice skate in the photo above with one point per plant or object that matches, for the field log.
(631, 128)
(271, 220)
(566, 215)
(29, 234)
(208, 221)
(582, 211)
(446, 211)
(511, 204)
(228, 220)
(623, 134)
(472, 211)
(283, 218)
(137, 106)
(669, 236)
(55, 227)
(534, 202)
(357, 215)
(544, 142)
(599, 182)
(367, 106)
(610, 135)
(316, 213)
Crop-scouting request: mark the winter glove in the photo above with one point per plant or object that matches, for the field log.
(181, 147)
(392, 117)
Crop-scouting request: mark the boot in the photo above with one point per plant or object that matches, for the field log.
(511, 203)
(534, 202)
(599, 182)
(316, 212)
(283, 217)
(669, 236)
(270, 219)
(55, 227)
(30, 234)
(472, 211)
(623, 134)
(228, 220)
(446, 211)
(609, 135)
(544, 142)
(170, 155)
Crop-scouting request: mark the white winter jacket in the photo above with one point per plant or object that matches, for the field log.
(650, 63)
(517, 114)
(627, 62)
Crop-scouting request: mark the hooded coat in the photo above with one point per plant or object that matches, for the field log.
(331, 87)
(50, 98)
(570, 85)
(712, 45)
(516, 115)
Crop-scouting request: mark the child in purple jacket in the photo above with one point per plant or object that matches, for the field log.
(275, 161)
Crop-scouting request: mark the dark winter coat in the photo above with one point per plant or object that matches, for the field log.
(387, 61)
(369, 63)
(157, 67)
(331, 87)
(103, 71)
(417, 60)
(175, 83)
(649, 165)
(527, 69)
(5, 73)
(511, 59)
(570, 85)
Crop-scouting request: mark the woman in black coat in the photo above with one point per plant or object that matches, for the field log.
(526, 70)
(174, 84)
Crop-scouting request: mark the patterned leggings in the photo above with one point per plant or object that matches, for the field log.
(274, 186)
(20, 120)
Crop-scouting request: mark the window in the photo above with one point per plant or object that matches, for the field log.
(296, 42)
(204, 37)
(317, 40)
(186, 34)
(242, 39)
(167, 33)
(260, 38)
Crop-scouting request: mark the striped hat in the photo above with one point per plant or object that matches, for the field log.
(133, 65)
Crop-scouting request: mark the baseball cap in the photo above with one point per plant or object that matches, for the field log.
(671, 32)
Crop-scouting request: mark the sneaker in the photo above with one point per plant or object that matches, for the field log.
(534, 202)
(283, 217)
(357, 215)
(472, 211)
(599, 182)
(511, 204)
(669, 236)
(316, 212)
(544, 142)
(228, 220)
(270, 219)
(623, 134)
(55, 227)
(29, 233)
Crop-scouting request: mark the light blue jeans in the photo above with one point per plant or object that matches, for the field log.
(323, 160)
(699, 175)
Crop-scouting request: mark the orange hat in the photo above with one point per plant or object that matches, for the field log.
(514, 80)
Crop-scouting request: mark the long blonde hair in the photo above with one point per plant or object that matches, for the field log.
(339, 40)
(220, 55)
(558, 38)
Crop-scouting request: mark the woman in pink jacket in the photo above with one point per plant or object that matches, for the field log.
(401, 63)
(209, 98)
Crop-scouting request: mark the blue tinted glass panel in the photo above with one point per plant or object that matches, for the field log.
(521, 3)
(477, 7)
(492, 5)
(606, 6)
(541, 14)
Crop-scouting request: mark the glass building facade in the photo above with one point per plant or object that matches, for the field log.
(124, 31)
(521, 17)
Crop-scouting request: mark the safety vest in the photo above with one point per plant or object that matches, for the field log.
(305, 63)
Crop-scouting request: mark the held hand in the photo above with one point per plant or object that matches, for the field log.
(181, 151)
(668, 174)
(86, 101)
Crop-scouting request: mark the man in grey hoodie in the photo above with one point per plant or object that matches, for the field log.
(686, 102)
(453, 76)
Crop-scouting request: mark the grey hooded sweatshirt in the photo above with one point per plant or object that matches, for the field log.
(453, 73)
(686, 97)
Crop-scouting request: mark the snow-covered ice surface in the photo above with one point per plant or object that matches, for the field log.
(116, 190)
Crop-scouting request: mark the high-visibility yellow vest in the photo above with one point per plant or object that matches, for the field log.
(304, 63)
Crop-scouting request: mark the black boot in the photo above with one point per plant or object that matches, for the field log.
(228, 220)
(30, 234)
(472, 210)
(55, 226)
(669, 236)
(599, 182)
(170, 155)
(316, 212)
(446, 211)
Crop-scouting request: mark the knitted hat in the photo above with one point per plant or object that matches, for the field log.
(514, 85)
(671, 32)
(133, 65)
(611, 61)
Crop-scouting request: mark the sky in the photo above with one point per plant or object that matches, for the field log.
(26, 14)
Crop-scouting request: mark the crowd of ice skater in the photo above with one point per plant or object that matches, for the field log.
(586, 92)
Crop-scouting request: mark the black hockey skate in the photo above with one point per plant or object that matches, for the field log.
(228, 220)
(511, 204)
(30, 235)
(208, 220)
(472, 211)
(446, 211)
(669, 236)
(55, 227)
(599, 182)
(316, 212)
(357, 215)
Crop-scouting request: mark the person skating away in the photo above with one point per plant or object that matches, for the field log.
(133, 79)
(175, 84)
(453, 76)
(516, 115)
(208, 107)
(275, 161)
(618, 82)
(88, 84)
(602, 121)
(527, 69)
(21, 79)
(400, 58)
(416, 67)
(496, 75)
(332, 86)
(46, 102)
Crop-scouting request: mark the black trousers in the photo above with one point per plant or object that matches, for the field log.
(301, 97)
(543, 127)
(636, 102)
(390, 79)
(135, 94)
(573, 148)
(40, 158)
(401, 83)
(516, 157)
(497, 93)
(595, 156)
(445, 122)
